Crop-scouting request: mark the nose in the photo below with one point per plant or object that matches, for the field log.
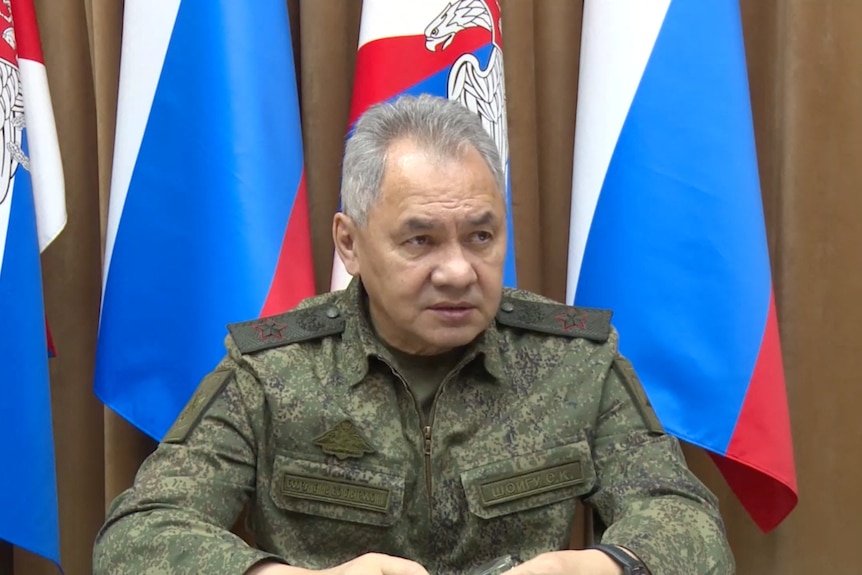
(453, 269)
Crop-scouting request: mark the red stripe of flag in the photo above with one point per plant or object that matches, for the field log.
(376, 61)
(52, 352)
(27, 31)
(294, 274)
(759, 464)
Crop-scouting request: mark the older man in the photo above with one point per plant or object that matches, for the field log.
(424, 420)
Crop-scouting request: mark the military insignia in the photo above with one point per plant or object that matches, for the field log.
(479, 86)
(571, 319)
(555, 319)
(205, 394)
(629, 378)
(12, 118)
(292, 327)
(270, 330)
(343, 441)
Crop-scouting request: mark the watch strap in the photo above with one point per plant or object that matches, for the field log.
(630, 565)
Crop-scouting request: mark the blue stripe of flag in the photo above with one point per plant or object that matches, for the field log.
(677, 245)
(28, 488)
(207, 207)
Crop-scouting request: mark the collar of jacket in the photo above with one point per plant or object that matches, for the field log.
(359, 342)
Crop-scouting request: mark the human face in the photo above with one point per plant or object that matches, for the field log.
(431, 252)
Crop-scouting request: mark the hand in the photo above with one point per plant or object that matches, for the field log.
(368, 564)
(585, 562)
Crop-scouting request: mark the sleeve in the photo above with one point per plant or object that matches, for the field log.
(651, 502)
(176, 518)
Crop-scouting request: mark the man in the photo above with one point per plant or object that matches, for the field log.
(425, 420)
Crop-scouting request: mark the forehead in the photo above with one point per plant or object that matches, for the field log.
(415, 176)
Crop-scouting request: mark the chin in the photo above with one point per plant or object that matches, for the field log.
(452, 338)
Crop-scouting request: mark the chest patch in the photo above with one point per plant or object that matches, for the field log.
(343, 441)
(501, 490)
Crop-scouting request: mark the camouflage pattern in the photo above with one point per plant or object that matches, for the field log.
(528, 424)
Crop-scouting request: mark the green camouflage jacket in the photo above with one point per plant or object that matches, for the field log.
(306, 422)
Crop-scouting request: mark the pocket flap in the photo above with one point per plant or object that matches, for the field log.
(530, 480)
(354, 493)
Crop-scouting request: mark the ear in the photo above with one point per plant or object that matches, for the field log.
(345, 233)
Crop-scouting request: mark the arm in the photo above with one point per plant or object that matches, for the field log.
(177, 516)
(654, 506)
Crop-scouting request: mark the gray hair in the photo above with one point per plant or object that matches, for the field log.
(440, 126)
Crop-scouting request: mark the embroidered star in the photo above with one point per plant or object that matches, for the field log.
(570, 320)
(270, 330)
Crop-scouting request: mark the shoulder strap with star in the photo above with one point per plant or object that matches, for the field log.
(555, 319)
(291, 327)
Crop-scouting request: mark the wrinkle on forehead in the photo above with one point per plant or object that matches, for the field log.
(421, 191)
(424, 224)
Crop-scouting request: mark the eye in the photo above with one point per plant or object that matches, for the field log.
(419, 241)
(435, 31)
(483, 237)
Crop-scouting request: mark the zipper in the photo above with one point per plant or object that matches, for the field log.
(426, 429)
(424, 425)
(427, 425)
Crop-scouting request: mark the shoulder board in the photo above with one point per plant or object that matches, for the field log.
(627, 375)
(556, 319)
(210, 388)
(291, 327)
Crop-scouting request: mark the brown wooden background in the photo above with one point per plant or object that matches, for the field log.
(805, 66)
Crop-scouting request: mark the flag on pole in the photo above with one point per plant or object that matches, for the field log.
(32, 214)
(208, 217)
(667, 230)
(452, 49)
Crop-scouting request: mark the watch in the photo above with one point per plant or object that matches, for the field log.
(630, 565)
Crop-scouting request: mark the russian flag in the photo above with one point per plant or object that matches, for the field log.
(208, 217)
(449, 49)
(32, 214)
(667, 230)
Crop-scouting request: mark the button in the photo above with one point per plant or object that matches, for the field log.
(332, 313)
(507, 307)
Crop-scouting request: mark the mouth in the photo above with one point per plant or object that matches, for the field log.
(453, 312)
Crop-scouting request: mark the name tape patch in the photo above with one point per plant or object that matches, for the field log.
(338, 492)
(531, 483)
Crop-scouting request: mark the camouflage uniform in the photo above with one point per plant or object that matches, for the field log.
(306, 419)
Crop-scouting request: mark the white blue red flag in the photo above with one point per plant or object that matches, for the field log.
(32, 214)
(667, 230)
(208, 218)
(452, 49)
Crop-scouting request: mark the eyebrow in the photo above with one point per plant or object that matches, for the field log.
(418, 225)
(484, 219)
(426, 224)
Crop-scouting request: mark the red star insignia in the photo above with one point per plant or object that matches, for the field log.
(570, 320)
(270, 330)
